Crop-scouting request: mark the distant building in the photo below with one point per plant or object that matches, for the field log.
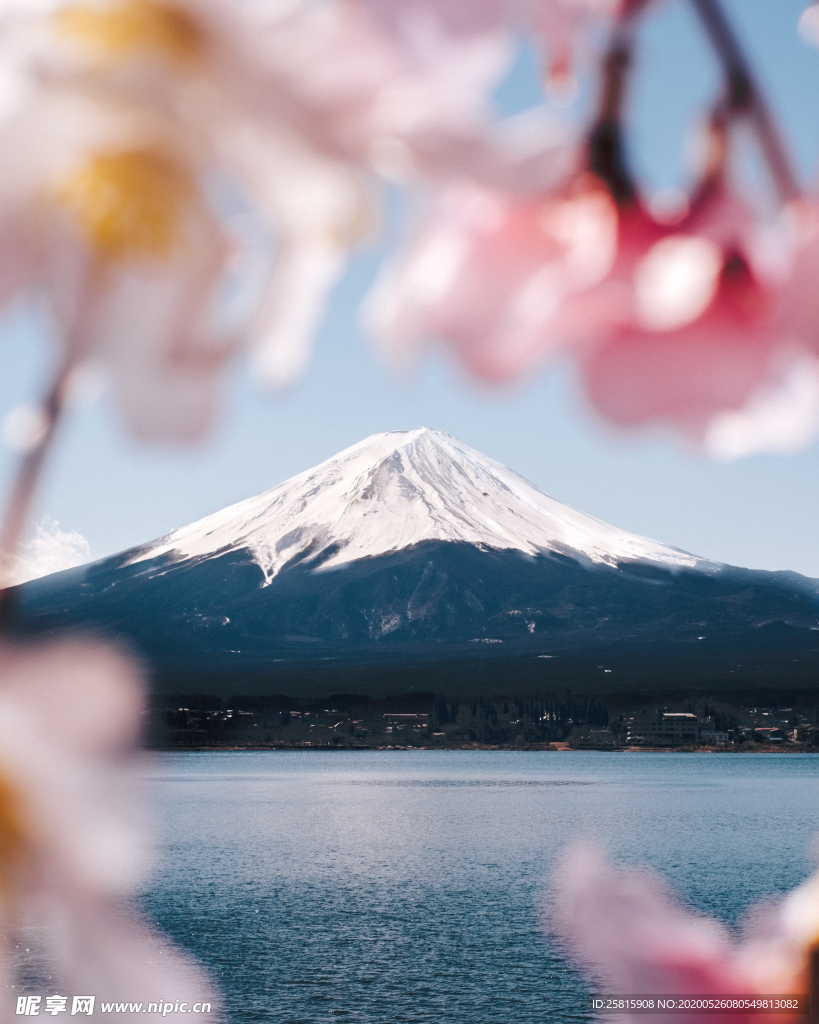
(593, 739)
(664, 729)
(715, 737)
(804, 734)
(406, 721)
(770, 734)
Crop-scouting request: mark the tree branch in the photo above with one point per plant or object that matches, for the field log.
(745, 95)
(27, 479)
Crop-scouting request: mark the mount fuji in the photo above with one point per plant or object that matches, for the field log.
(392, 491)
(410, 560)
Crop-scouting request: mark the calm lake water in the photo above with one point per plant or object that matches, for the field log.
(400, 888)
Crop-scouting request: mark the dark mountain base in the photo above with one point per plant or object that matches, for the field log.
(443, 617)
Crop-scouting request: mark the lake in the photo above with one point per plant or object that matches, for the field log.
(406, 887)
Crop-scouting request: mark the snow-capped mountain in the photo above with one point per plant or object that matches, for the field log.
(393, 490)
(413, 561)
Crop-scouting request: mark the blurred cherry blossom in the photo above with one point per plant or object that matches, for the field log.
(667, 316)
(634, 937)
(73, 844)
(114, 226)
(141, 127)
(165, 113)
(781, 418)
(159, 120)
(563, 25)
(687, 373)
(488, 272)
(694, 318)
(798, 302)
(809, 24)
(723, 343)
(560, 25)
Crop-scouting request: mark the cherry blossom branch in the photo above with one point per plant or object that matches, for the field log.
(606, 146)
(27, 479)
(746, 95)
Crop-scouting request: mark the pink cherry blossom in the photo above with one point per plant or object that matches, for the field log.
(72, 829)
(488, 273)
(421, 25)
(156, 103)
(170, 114)
(507, 280)
(634, 938)
(414, 21)
(782, 417)
(672, 319)
(686, 373)
(562, 25)
(809, 24)
(798, 302)
(114, 227)
(783, 414)
(198, 94)
(427, 32)
(715, 325)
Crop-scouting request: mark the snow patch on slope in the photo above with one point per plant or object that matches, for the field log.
(397, 489)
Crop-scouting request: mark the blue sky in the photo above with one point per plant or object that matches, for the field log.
(759, 512)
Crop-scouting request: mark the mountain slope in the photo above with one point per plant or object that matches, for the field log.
(410, 550)
(397, 489)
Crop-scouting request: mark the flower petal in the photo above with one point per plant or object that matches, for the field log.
(153, 325)
(106, 949)
(687, 375)
(305, 271)
(782, 417)
(488, 274)
(69, 717)
(626, 927)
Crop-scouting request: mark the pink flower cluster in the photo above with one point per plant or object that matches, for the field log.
(73, 846)
(166, 154)
(701, 318)
(635, 938)
(171, 155)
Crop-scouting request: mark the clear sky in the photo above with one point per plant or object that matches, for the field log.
(759, 512)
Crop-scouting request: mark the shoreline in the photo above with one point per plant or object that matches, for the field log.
(549, 749)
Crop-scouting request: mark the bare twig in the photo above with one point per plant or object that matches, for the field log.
(26, 481)
(746, 95)
(606, 145)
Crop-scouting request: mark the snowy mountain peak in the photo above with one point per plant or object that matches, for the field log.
(377, 447)
(400, 488)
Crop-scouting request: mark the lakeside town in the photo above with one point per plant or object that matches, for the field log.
(425, 721)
